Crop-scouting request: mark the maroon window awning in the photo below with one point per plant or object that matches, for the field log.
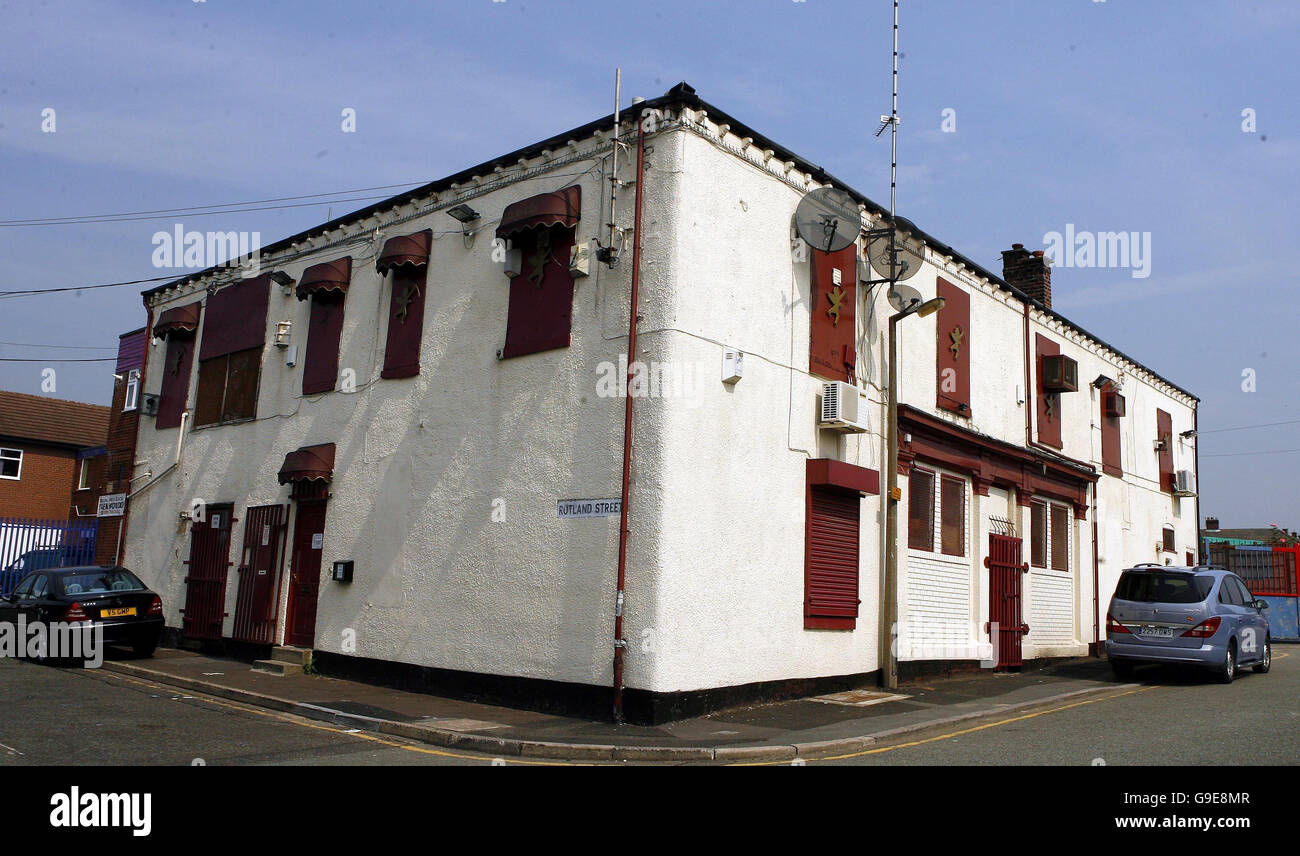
(178, 321)
(326, 278)
(561, 208)
(310, 463)
(412, 249)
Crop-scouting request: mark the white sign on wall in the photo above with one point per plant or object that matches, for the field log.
(112, 505)
(567, 508)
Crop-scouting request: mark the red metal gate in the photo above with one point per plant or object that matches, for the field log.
(257, 601)
(205, 586)
(1006, 574)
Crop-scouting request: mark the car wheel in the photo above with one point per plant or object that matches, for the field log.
(1122, 670)
(1228, 670)
(1265, 664)
(144, 650)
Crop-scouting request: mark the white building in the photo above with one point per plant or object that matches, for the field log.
(407, 405)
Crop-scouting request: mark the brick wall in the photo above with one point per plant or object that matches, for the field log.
(117, 469)
(48, 476)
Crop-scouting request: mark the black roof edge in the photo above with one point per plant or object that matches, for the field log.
(681, 93)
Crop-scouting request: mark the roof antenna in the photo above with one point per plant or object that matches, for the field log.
(608, 253)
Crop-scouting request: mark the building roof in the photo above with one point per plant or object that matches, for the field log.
(52, 421)
(682, 94)
(1265, 535)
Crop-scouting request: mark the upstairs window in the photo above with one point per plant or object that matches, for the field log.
(326, 285)
(541, 233)
(1167, 539)
(11, 464)
(230, 358)
(405, 260)
(83, 474)
(833, 325)
(1048, 402)
(952, 378)
(1165, 450)
(131, 399)
(177, 326)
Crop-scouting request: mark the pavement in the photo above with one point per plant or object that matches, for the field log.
(775, 731)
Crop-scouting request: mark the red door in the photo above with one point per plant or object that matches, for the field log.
(304, 577)
(205, 584)
(1006, 573)
(259, 574)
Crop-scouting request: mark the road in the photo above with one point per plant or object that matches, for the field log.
(92, 717)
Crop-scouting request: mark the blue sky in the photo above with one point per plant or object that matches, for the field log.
(1111, 116)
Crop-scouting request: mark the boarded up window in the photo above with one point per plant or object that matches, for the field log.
(324, 329)
(1049, 403)
(952, 381)
(1168, 537)
(1038, 534)
(178, 362)
(235, 318)
(1165, 457)
(1111, 462)
(831, 576)
(920, 510)
(540, 316)
(1060, 527)
(405, 321)
(228, 387)
(952, 516)
(832, 327)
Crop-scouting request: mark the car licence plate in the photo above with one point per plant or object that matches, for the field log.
(117, 613)
(1158, 632)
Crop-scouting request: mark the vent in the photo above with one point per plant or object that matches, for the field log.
(149, 404)
(844, 408)
(1115, 404)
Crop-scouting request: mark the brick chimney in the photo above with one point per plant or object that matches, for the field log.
(1028, 272)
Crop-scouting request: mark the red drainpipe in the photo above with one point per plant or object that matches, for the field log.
(620, 644)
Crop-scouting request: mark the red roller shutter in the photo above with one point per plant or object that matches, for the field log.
(831, 579)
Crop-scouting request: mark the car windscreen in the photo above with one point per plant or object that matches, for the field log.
(1163, 587)
(99, 582)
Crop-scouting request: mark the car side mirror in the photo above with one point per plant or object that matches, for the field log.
(1259, 604)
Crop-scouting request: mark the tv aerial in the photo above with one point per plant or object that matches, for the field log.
(827, 219)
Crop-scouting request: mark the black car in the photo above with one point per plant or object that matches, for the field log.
(109, 597)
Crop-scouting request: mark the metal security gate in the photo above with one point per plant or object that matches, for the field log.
(205, 586)
(1006, 582)
(28, 544)
(259, 574)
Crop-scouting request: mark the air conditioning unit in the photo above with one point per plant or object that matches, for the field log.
(844, 408)
(149, 404)
(1114, 404)
(1184, 483)
(1060, 374)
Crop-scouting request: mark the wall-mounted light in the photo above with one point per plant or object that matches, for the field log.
(282, 331)
(283, 280)
(1187, 435)
(1102, 381)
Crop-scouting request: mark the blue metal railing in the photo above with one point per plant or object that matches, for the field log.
(28, 544)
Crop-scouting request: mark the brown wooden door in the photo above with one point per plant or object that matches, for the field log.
(304, 577)
(259, 574)
(205, 584)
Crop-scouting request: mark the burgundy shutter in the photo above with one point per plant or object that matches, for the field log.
(832, 332)
(952, 379)
(1111, 457)
(540, 316)
(407, 256)
(952, 516)
(320, 368)
(1165, 432)
(1038, 534)
(235, 318)
(1060, 538)
(178, 362)
(920, 510)
(1049, 403)
(831, 580)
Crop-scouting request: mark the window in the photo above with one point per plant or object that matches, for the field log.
(920, 510)
(1038, 534)
(1164, 587)
(1168, 536)
(1243, 591)
(228, 387)
(83, 475)
(1049, 403)
(1165, 452)
(1228, 593)
(831, 580)
(326, 285)
(541, 231)
(11, 463)
(1111, 457)
(132, 399)
(952, 516)
(1060, 532)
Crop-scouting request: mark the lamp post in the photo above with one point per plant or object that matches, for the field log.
(889, 606)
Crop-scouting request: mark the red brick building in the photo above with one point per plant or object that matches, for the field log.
(48, 460)
(114, 469)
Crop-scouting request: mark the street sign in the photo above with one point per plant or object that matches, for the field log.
(567, 508)
(112, 505)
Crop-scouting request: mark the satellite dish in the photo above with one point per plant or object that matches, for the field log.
(828, 219)
(903, 297)
(907, 258)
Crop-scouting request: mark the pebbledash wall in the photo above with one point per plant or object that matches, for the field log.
(717, 555)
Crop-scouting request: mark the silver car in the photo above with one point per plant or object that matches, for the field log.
(1202, 616)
